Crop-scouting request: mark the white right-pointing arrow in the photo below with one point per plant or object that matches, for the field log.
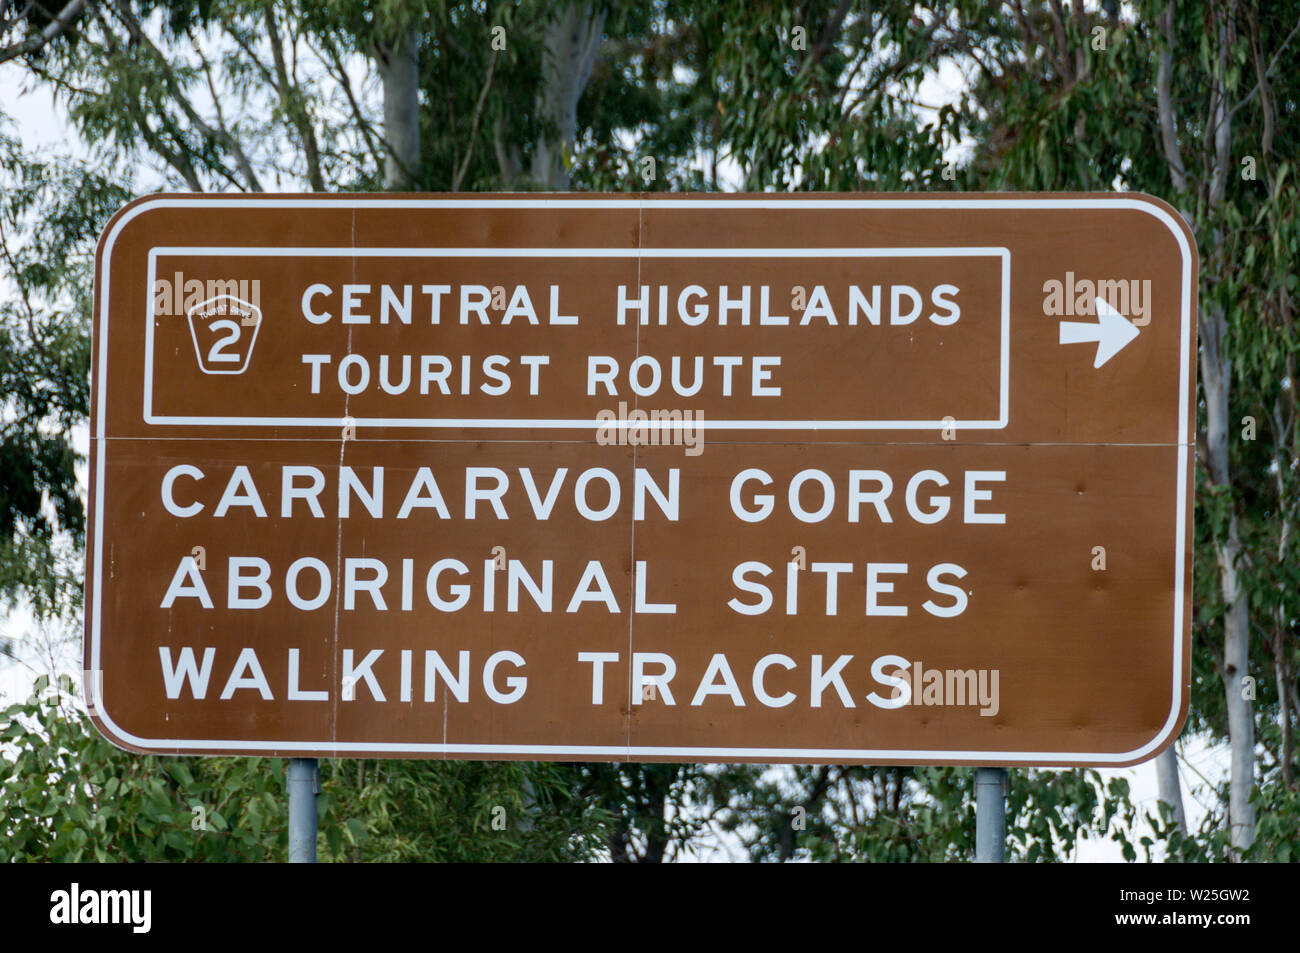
(1111, 332)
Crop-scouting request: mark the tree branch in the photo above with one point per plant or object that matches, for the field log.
(54, 28)
(473, 131)
(1262, 82)
(295, 110)
(1222, 123)
(169, 79)
(334, 65)
(1164, 98)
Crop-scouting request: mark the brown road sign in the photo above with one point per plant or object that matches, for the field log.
(839, 478)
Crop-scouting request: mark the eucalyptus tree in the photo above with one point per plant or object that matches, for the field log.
(246, 95)
(250, 95)
(1193, 102)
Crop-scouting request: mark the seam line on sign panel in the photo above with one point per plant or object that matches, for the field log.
(337, 689)
(123, 737)
(633, 695)
(335, 661)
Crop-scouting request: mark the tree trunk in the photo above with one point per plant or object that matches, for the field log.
(399, 72)
(1168, 788)
(1168, 785)
(572, 41)
(1283, 703)
(1218, 381)
(1241, 716)
(1284, 429)
(1216, 376)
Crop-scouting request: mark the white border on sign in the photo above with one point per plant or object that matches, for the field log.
(1004, 373)
(337, 749)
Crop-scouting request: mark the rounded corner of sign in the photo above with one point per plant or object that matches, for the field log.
(99, 716)
(129, 212)
(111, 733)
(1171, 218)
(1157, 745)
(1148, 199)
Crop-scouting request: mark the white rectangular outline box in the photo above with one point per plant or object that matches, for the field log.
(1004, 370)
(869, 752)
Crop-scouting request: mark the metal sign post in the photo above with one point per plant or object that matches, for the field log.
(990, 815)
(303, 787)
